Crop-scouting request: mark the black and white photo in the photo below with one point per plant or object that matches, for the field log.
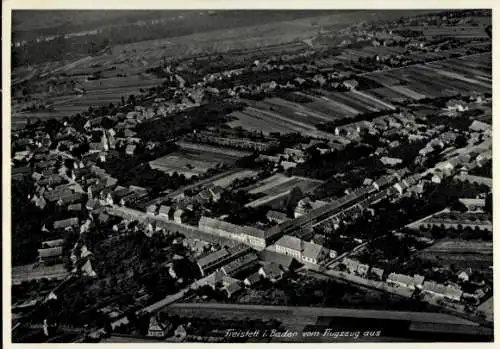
(251, 176)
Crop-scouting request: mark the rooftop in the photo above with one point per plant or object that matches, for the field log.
(290, 242)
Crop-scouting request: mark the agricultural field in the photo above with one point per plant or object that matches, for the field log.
(98, 93)
(327, 105)
(462, 253)
(460, 31)
(278, 186)
(279, 115)
(357, 101)
(195, 160)
(295, 111)
(260, 119)
(394, 93)
(19, 120)
(253, 36)
(443, 78)
(228, 180)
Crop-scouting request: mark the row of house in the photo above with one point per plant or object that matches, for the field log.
(166, 212)
(240, 143)
(51, 252)
(250, 236)
(415, 282)
(217, 259)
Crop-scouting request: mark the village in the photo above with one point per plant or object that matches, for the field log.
(250, 185)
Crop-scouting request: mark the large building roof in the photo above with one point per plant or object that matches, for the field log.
(290, 242)
(312, 250)
(212, 258)
(239, 263)
(211, 223)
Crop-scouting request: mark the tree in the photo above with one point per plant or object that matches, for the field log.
(293, 198)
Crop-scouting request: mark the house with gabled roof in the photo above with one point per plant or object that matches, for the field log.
(252, 279)
(164, 211)
(207, 262)
(231, 286)
(66, 223)
(242, 263)
(277, 217)
(290, 246)
(215, 279)
(158, 329)
(306, 252)
(271, 271)
(313, 253)
(465, 274)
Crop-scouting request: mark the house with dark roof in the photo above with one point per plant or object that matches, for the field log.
(52, 243)
(277, 217)
(209, 261)
(232, 288)
(384, 181)
(240, 264)
(95, 189)
(271, 271)
(69, 198)
(216, 193)
(103, 218)
(286, 262)
(252, 279)
(215, 279)
(54, 195)
(52, 179)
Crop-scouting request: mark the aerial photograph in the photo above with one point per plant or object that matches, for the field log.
(251, 176)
